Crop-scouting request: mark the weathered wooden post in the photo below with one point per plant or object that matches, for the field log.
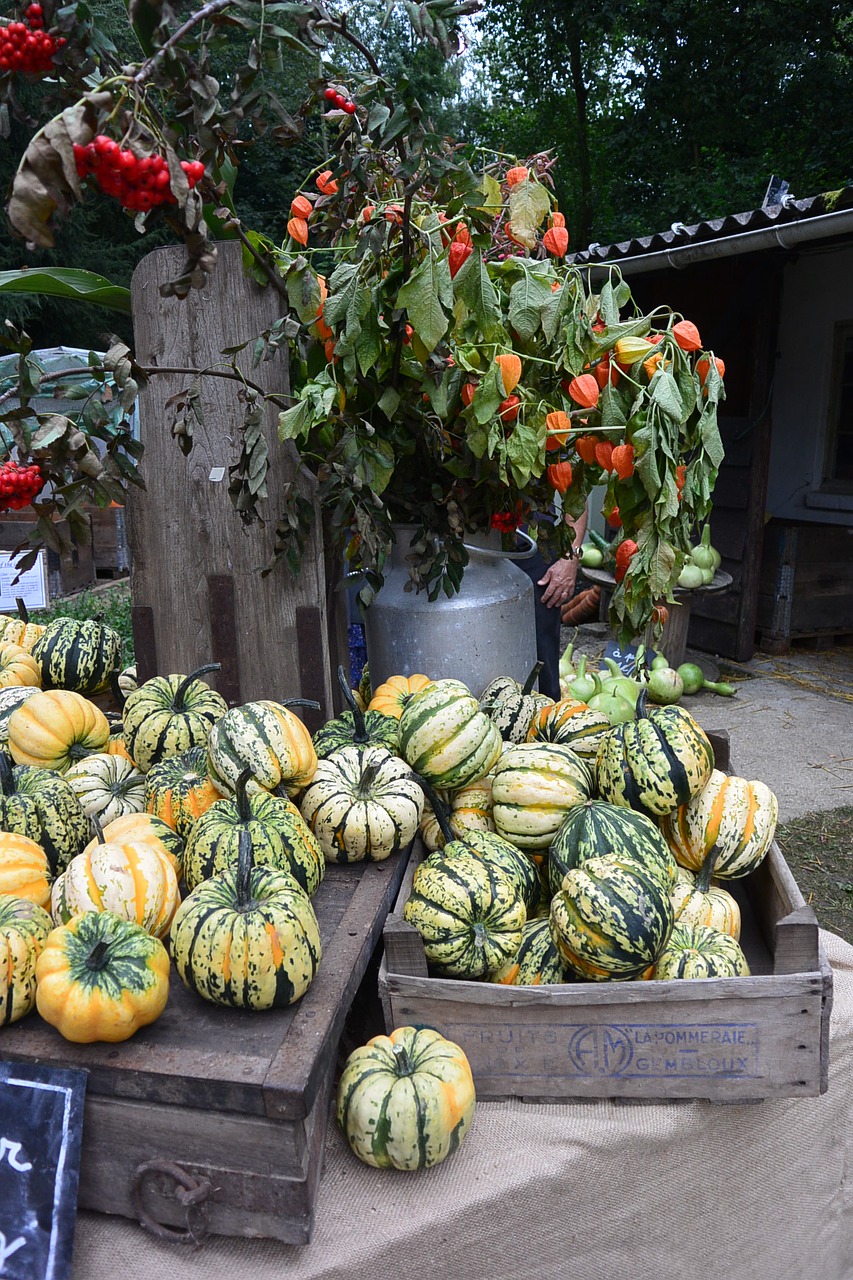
(198, 593)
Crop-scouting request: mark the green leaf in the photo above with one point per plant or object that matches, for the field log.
(473, 285)
(491, 189)
(422, 295)
(303, 291)
(607, 305)
(368, 346)
(528, 205)
(554, 310)
(488, 395)
(612, 407)
(67, 282)
(525, 452)
(710, 435)
(371, 459)
(389, 402)
(294, 422)
(527, 299)
(663, 392)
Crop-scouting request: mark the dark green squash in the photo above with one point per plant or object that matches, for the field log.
(40, 804)
(77, 654)
(356, 727)
(596, 829)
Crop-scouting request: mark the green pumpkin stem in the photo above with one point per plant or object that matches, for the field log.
(527, 687)
(439, 808)
(98, 955)
(7, 782)
(401, 1060)
(300, 702)
(360, 735)
(244, 804)
(117, 691)
(181, 691)
(642, 710)
(99, 830)
(368, 777)
(245, 866)
(703, 879)
(23, 611)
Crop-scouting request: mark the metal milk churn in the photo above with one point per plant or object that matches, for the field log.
(484, 631)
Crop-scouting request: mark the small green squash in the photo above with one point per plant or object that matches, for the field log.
(704, 903)
(40, 804)
(697, 951)
(356, 727)
(536, 963)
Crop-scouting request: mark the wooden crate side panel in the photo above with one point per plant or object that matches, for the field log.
(183, 528)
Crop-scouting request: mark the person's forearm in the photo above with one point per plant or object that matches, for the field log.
(579, 525)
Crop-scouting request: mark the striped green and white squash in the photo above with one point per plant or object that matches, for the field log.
(469, 914)
(144, 826)
(697, 951)
(536, 963)
(24, 927)
(40, 804)
(492, 848)
(597, 829)
(248, 937)
(534, 786)
(406, 1101)
(610, 920)
(695, 900)
(356, 727)
(511, 706)
(571, 723)
(9, 700)
(268, 740)
(107, 787)
(179, 790)
(280, 839)
(77, 654)
(730, 814)
(656, 762)
(470, 809)
(169, 714)
(362, 803)
(445, 736)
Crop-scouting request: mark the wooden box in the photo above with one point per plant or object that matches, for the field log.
(722, 1039)
(214, 1119)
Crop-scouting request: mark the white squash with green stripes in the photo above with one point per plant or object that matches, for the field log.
(362, 803)
(446, 737)
(533, 788)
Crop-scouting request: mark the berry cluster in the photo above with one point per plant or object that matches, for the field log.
(19, 485)
(26, 46)
(137, 182)
(335, 98)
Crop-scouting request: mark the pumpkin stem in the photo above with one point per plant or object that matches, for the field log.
(703, 879)
(99, 830)
(368, 777)
(439, 808)
(360, 734)
(300, 702)
(117, 691)
(642, 709)
(244, 805)
(527, 687)
(401, 1060)
(97, 956)
(245, 865)
(7, 783)
(181, 691)
(23, 611)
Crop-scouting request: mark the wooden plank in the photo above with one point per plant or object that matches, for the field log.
(223, 636)
(312, 673)
(183, 528)
(144, 641)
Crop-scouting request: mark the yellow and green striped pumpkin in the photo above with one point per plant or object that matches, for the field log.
(24, 869)
(355, 727)
(248, 937)
(470, 810)
(696, 901)
(534, 786)
(511, 706)
(107, 786)
(536, 963)
(281, 839)
(150, 829)
(697, 951)
(170, 714)
(610, 919)
(16, 631)
(596, 829)
(731, 814)
(77, 654)
(392, 697)
(24, 926)
(56, 727)
(101, 978)
(572, 723)
(446, 737)
(130, 878)
(362, 803)
(655, 762)
(406, 1101)
(268, 740)
(9, 700)
(179, 790)
(18, 669)
(40, 804)
(469, 914)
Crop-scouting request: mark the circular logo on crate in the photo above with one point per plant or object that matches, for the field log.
(600, 1051)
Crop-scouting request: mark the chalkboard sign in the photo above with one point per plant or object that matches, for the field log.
(41, 1122)
(626, 656)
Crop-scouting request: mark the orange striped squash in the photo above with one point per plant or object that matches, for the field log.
(731, 813)
(391, 697)
(24, 871)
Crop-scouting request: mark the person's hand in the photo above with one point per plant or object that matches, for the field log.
(559, 582)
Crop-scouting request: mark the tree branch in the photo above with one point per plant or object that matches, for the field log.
(206, 11)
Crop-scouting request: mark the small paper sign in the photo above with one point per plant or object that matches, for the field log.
(41, 1123)
(31, 586)
(626, 656)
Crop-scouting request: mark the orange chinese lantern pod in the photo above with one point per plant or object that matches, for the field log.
(510, 235)
(324, 292)
(301, 207)
(687, 336)
(394, 214)
(660, 614)
(510, 367)
(651, 365)
(629, 350)
(508, 409)
(584, 390)
(462, 235)
(558, 425)
(329, 348)
(321, 328)
(604, 370)
(297, 229)
(367, 213)
(622, 461)
(407, 337)
(680, 476)
(518, 174)
(559, 476)
(556, 219)
(614, 519)
(555, 285)
(326, 184)
(604, 455)
(556, 241)
(467, 392)
(585, 446)
(703, 367)
(458, 254)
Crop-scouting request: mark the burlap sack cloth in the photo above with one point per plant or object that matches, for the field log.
(587, 1191)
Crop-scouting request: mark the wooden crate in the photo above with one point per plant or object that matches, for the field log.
(806, 587)
(231, 1099)
(722, 1039)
